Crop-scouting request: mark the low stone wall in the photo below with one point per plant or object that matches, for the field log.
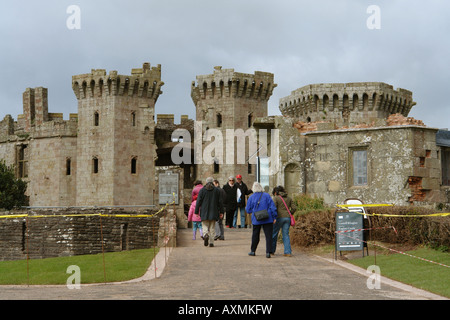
(68, 232)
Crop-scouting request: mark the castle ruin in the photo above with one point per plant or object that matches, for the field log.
(336, 141)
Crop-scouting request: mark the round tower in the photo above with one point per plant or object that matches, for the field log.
(228, 102)
(346, 103)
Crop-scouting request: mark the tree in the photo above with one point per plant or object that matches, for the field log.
(12, 190)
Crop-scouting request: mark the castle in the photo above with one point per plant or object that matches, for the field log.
(335, 141)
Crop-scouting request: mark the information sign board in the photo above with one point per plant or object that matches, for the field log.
(168, 187)
(352, 240)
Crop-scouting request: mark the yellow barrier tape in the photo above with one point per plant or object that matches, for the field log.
(364, 205)
(119, 215)
(409, 215)
(13, 216)
(390, 215)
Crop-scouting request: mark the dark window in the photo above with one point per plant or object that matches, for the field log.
(219, 120)
(216, 166)
(133, 119)
(94, 165)
(134, 165)
(96, 119)
(68, 166)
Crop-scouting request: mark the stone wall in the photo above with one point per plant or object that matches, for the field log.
(64, 235)
(402, 165)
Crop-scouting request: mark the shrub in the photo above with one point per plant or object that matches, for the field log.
(12, 190)
(317, 226)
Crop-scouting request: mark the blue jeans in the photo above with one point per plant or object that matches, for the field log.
(242, 209)
(284, 224)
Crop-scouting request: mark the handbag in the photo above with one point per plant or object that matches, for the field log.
(292, 217)
(261, 214)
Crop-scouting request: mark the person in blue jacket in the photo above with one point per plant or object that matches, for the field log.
(265, 202)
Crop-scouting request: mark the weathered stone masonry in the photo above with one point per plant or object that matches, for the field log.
(60, 235)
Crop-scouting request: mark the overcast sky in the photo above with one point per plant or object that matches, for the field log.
(301, 42)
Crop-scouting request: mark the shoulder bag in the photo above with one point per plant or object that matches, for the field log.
(292, 217)
(261, 214)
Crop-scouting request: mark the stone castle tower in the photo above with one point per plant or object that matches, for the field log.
(230, 100)
(115, 147)
(346, 104)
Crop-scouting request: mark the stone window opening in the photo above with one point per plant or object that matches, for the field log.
(249, 168)
(216, 166)
(22, 161)
(250, 120)
(219, 120)
(134, 165)
(133, 119)
(359, 166)
(94, 165)
(68, 167)
(96, 119)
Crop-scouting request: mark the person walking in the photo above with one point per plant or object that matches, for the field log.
(259, 201)
(284, 205)
(209, 204)
(219, 225)
(197, 187)
(195, 218)
(241, 192)
(230, 189)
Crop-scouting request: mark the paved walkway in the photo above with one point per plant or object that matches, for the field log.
(226, 272)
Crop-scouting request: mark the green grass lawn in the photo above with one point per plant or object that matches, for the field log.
(119, 266)
(420, 274)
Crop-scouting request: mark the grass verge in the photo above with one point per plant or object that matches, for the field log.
(412, 271)
(119, 266)
(417, 273)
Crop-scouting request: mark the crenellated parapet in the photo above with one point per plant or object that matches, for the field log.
(349, 102)
(143, 82)
(226, 83)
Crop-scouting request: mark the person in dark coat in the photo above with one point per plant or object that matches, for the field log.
(219, 225)
(209, 203)
(241, 193)
(231, 202)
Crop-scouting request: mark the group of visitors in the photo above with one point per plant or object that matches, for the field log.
(272, 214)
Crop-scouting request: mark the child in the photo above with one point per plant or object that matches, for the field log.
(195, 218)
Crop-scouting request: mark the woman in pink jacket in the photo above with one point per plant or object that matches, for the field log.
(195, 218)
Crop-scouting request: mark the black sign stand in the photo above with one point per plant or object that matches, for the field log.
(346, 240)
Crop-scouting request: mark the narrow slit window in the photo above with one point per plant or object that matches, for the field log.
(96, 119)
(95, 165)
(219, 120)
(68, 167)
(134, 165)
